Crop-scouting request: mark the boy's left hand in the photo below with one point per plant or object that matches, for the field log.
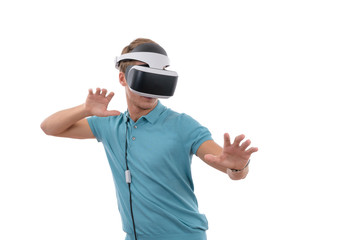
(233, 156)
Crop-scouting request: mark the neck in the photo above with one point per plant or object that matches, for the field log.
(136, 111)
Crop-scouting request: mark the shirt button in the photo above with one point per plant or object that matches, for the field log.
(133, 138)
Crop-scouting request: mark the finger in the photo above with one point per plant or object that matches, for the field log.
(97, 91)
(103, 92)
(110, 96)
(227, 140)
(238, 139)
(245, 145)
(90, 91)
(252, 150)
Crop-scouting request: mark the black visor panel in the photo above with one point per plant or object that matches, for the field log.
(152, 83)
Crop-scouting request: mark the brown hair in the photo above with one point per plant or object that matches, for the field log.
(124, 64)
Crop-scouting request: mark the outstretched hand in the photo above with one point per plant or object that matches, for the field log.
(233, 156)
(97, 103)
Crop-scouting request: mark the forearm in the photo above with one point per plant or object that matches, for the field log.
(63, 120)
(233, 175)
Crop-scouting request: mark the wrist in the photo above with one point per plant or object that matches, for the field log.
(85, 111)
(240, 170)
(238, 175)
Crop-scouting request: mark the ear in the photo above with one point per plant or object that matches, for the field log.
(122, 79)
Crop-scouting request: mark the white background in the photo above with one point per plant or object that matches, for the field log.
(283, 73)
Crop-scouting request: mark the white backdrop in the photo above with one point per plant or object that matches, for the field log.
(282, 72)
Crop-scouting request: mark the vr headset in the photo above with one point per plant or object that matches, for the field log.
(150, 79)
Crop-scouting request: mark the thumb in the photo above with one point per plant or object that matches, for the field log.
(112, 113)
(211, 158)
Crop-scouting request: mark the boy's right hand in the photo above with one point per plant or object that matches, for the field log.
(96, 103)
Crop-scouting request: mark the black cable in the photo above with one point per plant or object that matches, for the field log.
(129, 183)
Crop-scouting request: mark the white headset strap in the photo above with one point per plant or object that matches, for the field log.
(154, 60)
(154, 71)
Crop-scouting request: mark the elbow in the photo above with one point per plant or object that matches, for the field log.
(45, 128)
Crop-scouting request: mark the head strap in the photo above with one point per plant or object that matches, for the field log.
(150, 53)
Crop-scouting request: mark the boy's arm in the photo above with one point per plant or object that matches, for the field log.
(72, 122)
(231, 156)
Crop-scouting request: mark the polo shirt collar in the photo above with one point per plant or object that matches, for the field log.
(153, 115)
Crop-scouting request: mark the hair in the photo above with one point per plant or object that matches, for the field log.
(124, 64)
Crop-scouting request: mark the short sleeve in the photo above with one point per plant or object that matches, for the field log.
(193, 133)
(98, 125)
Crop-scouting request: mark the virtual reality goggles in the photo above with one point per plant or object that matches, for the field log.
(150, 79)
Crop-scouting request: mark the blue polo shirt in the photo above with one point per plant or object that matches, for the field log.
(159, 152)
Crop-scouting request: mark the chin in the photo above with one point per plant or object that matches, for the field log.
(147, 102)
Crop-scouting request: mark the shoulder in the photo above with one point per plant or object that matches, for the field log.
(178, 118)
(111, 120)
(180, 122)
